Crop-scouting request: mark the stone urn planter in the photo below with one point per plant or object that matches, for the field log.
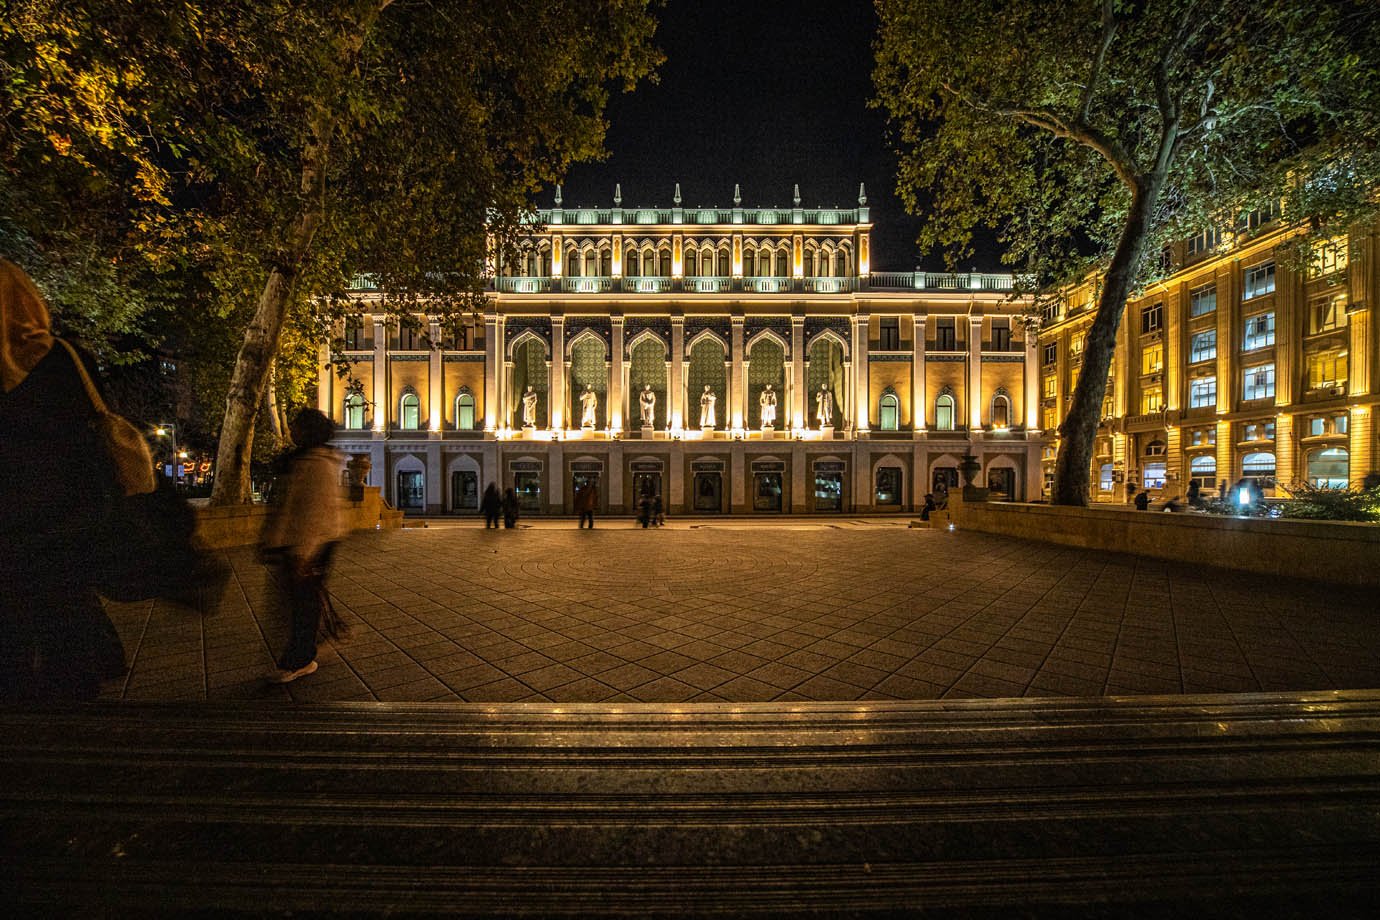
(968, 468)
(357, 474)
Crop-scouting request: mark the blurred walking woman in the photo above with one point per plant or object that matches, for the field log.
(302, 534)
(57, 486)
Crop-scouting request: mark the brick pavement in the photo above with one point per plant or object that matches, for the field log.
(751, 611)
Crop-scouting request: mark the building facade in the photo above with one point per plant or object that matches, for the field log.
(731, 360)
(1245, 362)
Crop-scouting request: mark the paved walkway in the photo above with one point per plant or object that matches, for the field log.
(754, 611)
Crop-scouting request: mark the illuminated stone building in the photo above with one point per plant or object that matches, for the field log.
(1238, 364)
(611, 303)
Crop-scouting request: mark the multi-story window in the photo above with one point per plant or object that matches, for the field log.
(1341, 423)
(1051, 418)
(1202, 392)
(1254, 220)
(1202, 300)
(1152, 359)
(945, 336)
(1076, 345)
(1200, 437)
(1051, 353)
(1204, 242)
(1327, 257)
(1326, 313)
(891, 334)
(1151, 399)
(1152, 318)
(410, 338)
(1203, 346)
(1050, 310)
(1051, 386)
(1001, 335)
(1260, 331)
(1260, 280)
(1259, 382)
(1319, 425)
(1327, 370)
(1258, 431)
(354, 334)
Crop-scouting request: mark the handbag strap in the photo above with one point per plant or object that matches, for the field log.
(91, 390)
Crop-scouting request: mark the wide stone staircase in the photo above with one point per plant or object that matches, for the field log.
(1258, 805)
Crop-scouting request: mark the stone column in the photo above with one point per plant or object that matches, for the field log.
(1225, 468)
(799, 402)
(325, 380)
(557, 408)
(493, 373)
(1175, 322)
(382, 409)
(675, 384)
(1228, 343)
(616, 411)
(974, 401)
(1362, 440)
(1030, 401)
(861, 389)
(435, 383)
(737, 414)
(919, 398)
(1288, 350)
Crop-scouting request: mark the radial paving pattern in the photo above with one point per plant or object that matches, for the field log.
(755, 613)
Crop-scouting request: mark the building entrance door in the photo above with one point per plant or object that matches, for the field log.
(527, 486)
(646, 485)
(464, 490)
(1001, 484)
(709, 492)
(410, 492)
(582, 479)
(766, 491)
(828, 491)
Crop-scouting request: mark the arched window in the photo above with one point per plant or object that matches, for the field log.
(1259, 465)
(464, 411)
(665, 263)
(781, 270)
(724, 271)
(707, 263)
(691, 261)
(1001, 409)
(826, 262)
(634, 266)
(409, 411)
(944, 412)
(1203, 466)
(809, 263)
(572, 263)
(889, 412)
(1329, 468)
(354, 409)
(841, 264)
(1106, 480)
(591, 264)
(1155, 449)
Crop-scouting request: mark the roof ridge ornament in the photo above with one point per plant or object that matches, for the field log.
(862, 194)
(737, 195)
(618, 194)
(676, 197)
(797, 194)
(558, 194)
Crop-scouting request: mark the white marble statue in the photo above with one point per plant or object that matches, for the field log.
(824, 407)
(707, 401)
(647, 400)
(766, 404)
(529, 408)
(589, 407)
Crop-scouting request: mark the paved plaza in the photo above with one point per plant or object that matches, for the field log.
(755, 611)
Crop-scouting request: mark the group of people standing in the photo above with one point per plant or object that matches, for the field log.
(494, 504)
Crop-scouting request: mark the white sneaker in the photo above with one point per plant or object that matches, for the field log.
(284, 676)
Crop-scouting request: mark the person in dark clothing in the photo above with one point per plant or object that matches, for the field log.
(1195, 493)
(510, 509)
(1142, 500)
(491, 505)
(930, 507)
(586, 500)
(644, 510)
(658, 513)
(57, 643)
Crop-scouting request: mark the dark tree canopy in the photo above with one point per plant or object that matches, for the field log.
(1090, 133)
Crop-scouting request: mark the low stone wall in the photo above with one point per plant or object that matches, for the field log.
(240, 525)
(1337, 552)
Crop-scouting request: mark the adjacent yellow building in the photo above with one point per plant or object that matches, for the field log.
(1237, 365)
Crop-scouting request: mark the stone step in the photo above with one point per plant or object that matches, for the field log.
(1207, 804)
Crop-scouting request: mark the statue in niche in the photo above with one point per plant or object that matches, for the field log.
(766, 404)
(824, 407)
(589, 407)
(647, 401)
(529, 408)
(707, 401)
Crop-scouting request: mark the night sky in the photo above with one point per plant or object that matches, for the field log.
(766, 94)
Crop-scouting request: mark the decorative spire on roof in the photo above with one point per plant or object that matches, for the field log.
(676, 197)
(558, 194)
(797, 194)
(618, 194)
(737, 195)
(862, 194)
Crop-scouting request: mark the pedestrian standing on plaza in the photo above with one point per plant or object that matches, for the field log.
(930, 507)
(644, 510)
(586, 500)
(1142, 500)
(510, 509)
(306, 524)
(658, 511)
(56, 642)
(491, 505)
(1195, 493)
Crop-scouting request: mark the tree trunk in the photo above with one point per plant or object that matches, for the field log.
(1079, 429)
(270, 407)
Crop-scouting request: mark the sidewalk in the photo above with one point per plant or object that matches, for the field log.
(754, 610)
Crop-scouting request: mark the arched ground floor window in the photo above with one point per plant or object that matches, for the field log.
(1329, 468)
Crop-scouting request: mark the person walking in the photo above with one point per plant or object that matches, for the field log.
(510, 509)
(1143, 500)
(57, 643)
(491, 505)
(1195, 493)
(301, 535)
(586, 500)
(658, 511)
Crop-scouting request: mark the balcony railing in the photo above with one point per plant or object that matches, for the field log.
(524, 285)
(829, 285)
(646, 284)
(587, 285)
(712, 284)
(767, 284)
(707, 284)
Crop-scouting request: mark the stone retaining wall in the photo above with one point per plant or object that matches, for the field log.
(240, 525)
(1330, 551)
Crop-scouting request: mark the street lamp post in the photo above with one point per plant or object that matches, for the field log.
(170, 432)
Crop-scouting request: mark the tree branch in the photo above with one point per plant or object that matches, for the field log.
(1109, 27)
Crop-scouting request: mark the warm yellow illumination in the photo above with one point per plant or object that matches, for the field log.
(798, 261)
(617, 256)
(557, 255)
(737, 257)
(864, 254)
(677, 268)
